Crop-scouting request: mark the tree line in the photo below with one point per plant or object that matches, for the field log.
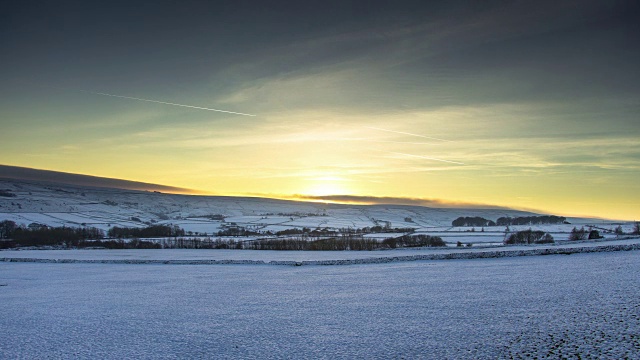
(14, 235)
(531, 220)
(37, 235)
(329, 244)
(146, 232)
(419, 240)
(356, 243)
(319, 232)
(529, 237)
(173, 237)
(472, 221)
(582, 234)
(508, 221)
(236, 231)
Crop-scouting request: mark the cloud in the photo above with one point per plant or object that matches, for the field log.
(390, 200)
(426, 158)
(405, 133)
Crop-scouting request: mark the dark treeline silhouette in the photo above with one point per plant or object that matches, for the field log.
(199, 243)
(529, 237)
(344, 243)
(414, 241)
(236, 231)
(40, 235)
(472, 221)
(106, 244)
(174, 237)
(380, 229)
(328, 244)
(294, 243)
(507, 221)
(147, 232)
(120, 244)
(582, 234)
(295, 231)
(531, 220)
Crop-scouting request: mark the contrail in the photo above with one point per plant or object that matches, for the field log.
(167, 103)
(406, 133)
(388, 141)
(426, 157)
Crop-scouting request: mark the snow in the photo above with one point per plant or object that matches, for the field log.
(67, 205)
(584, 305)
(483, 302)
(206, 256)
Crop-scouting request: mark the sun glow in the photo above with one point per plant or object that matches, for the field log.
(327, 186)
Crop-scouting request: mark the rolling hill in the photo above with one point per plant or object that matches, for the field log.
(60, 199)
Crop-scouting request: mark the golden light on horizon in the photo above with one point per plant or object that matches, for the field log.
(423, 112)
(326, 186)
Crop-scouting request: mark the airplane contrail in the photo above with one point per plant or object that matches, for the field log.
(426, 157)
(388, 141)
(406, 133)
(167, 103)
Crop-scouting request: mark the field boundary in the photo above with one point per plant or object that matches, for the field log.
(377, 260)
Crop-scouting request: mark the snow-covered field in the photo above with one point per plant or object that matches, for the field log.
(272, 256)
(390, 304)
(77, 206)
(577, 306)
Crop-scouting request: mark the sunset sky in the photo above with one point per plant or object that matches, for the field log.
(525, 104)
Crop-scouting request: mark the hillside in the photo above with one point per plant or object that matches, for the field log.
(58, 204)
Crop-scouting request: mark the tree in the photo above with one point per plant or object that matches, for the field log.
(618, 231)
(7, 228)
(529, 237)
(546, 239)
(636, 229)
(472, 221)
(531, 220)
(578, 234)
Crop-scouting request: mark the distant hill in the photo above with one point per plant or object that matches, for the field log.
(97, 202)
(33, 198)
(22, 173)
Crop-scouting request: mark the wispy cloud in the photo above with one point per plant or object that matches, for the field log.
(70, 147)
(426, 158)
(405, 133)
(373, 200)
(388, 141)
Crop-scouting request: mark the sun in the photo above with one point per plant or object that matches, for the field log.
(327, 186)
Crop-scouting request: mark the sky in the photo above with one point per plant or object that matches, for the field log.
(524, 104)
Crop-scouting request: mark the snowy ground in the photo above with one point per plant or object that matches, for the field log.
(77, 206)
(267, 256)
(577, 306)
(59, 204)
